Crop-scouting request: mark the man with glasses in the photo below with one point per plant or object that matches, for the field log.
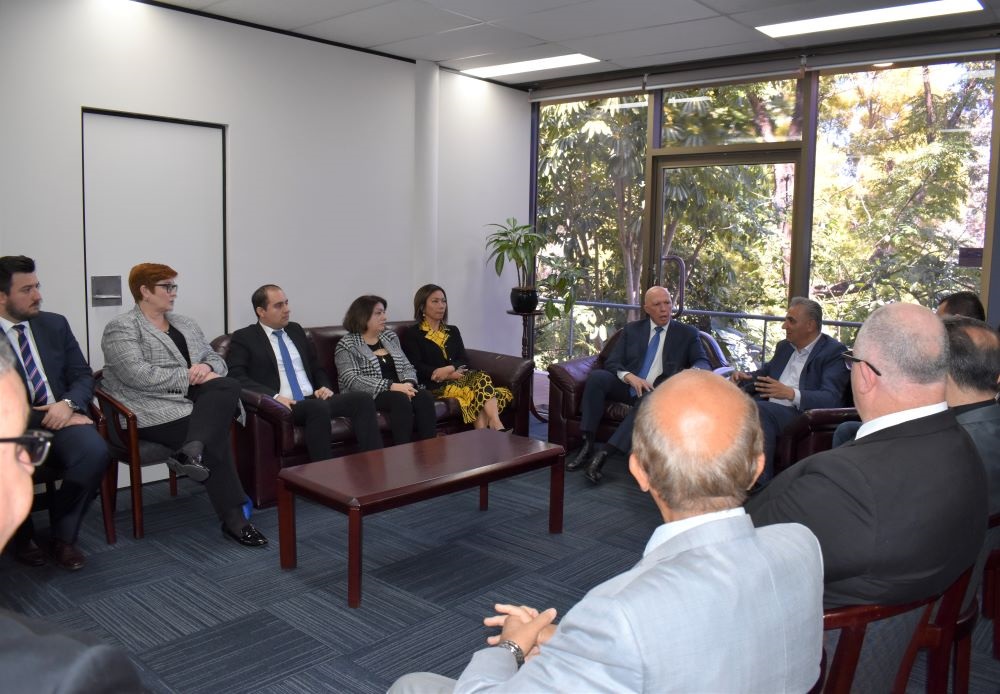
(901, 511)
(59, 385)
(35, 656)
(806, 372)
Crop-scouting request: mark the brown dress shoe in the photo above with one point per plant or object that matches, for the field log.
(27, 552)
(67, 556)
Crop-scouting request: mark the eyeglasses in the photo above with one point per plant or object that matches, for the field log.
(170, 287)
(850, 360)
(35, 444)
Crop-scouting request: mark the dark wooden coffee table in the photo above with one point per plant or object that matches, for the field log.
(365, 483)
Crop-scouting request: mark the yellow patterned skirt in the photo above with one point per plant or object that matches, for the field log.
(472, 390)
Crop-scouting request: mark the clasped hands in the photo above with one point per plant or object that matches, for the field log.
(200, 373)
(323, 393)
(448, 373)
(767, 387)
(406, 388)
(525, 626)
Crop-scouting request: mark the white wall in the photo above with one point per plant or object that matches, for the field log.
(322, 161)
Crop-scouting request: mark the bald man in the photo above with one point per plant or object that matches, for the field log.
(646, 353)
(713, 606)
(900, 512)
(35, 656)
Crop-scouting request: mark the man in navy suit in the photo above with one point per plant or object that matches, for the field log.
(60, 386)
(646, 353)
(274, 357)
(806, 372)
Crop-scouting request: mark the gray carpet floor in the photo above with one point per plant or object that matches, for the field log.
(198, 613)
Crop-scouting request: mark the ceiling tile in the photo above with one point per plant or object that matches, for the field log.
(287, 14)
(480, 39)
(389, 23)
(490, 10)
(726, 51)
(604, 17)
(542, 50)
(717, 31)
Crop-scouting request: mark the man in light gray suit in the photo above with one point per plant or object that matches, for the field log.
(714, 604)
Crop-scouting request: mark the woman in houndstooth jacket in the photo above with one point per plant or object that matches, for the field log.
(369, 359)
(159, 365)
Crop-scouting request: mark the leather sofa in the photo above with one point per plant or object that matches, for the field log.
(270, 441)
(567, 380)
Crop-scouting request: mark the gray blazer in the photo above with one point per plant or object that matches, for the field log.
(357, 365)
(144, 369)
(721, 607)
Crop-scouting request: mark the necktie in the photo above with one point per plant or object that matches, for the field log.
(647, 362)
(35, 382)
(286, 360)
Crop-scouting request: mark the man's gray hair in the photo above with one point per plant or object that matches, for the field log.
(813, 310)
(689, 475)
(909, 351)
(8, 360)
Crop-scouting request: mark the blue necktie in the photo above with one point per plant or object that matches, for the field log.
(35, 382)
(286, 360)
(650, 355)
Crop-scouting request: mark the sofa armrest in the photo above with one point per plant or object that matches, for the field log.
(511, 372)
(569, 378)
(272, 411)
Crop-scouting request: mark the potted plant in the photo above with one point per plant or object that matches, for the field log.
(519, 245)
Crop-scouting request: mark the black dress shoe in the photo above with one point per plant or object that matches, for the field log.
(183, 464)
(66, 555)
(594, 469)
(249, 536)
(27, 552)
(582, 457)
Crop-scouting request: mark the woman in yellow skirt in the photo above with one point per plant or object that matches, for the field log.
(436, 350)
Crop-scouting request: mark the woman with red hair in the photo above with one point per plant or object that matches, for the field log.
(159, 364)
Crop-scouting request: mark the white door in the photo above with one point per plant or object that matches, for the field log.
(153, 192)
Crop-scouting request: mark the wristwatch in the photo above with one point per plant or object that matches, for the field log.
(72, 405)
(514, 649)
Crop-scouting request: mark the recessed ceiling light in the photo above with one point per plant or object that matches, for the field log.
(531, 65)
(883, 64)
(885, 15)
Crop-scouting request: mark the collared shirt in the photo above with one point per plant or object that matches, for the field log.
(668, 531)
(793, 373)
(656, 368)
(297, 365)
(894, 418)
(8, 329)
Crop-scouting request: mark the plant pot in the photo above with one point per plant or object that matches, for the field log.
(523, 300)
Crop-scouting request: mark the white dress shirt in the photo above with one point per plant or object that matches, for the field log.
(793, 373)
(669, 531)
(8, 329)
(297, 365)
(894, 418)
(656, 368)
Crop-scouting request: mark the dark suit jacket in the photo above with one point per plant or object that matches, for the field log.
(899, 513)
(252, 362)
(983, 425)
(426, 356)
(39, 657)
(69, 374)
(824, 378)
(681, 350)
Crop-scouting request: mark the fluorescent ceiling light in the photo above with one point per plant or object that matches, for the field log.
(531, 65)
(885, 15)
(688, 99)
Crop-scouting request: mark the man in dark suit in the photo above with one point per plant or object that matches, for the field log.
(647, 353)
(60, 386)
(274, 357)
(35, 656)
(806, 372)
(973, 377)
(901, 511)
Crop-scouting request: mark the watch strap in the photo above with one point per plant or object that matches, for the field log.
(514, 649)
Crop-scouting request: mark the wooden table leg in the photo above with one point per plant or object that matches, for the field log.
(484, 497)
(354, 557)
(556, 494)
(286, 526)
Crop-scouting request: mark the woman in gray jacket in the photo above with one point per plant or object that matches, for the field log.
(370, 360)
(159, 365)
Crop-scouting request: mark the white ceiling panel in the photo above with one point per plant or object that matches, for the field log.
(717, 31)
(461, 43)
(490, 10)
(604, 17)
(667, 58)
(389, 23)
(287, 14)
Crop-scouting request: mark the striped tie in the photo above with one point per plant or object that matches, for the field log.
(35, 383)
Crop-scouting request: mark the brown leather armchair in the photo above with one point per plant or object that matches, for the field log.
(270, 440)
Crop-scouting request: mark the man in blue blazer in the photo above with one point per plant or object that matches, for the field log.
(60, 386)
(806, 372)
(647, 352)
(713, 605)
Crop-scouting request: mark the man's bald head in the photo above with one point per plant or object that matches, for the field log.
(906, 342)
(658, 304)
(698, 439)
